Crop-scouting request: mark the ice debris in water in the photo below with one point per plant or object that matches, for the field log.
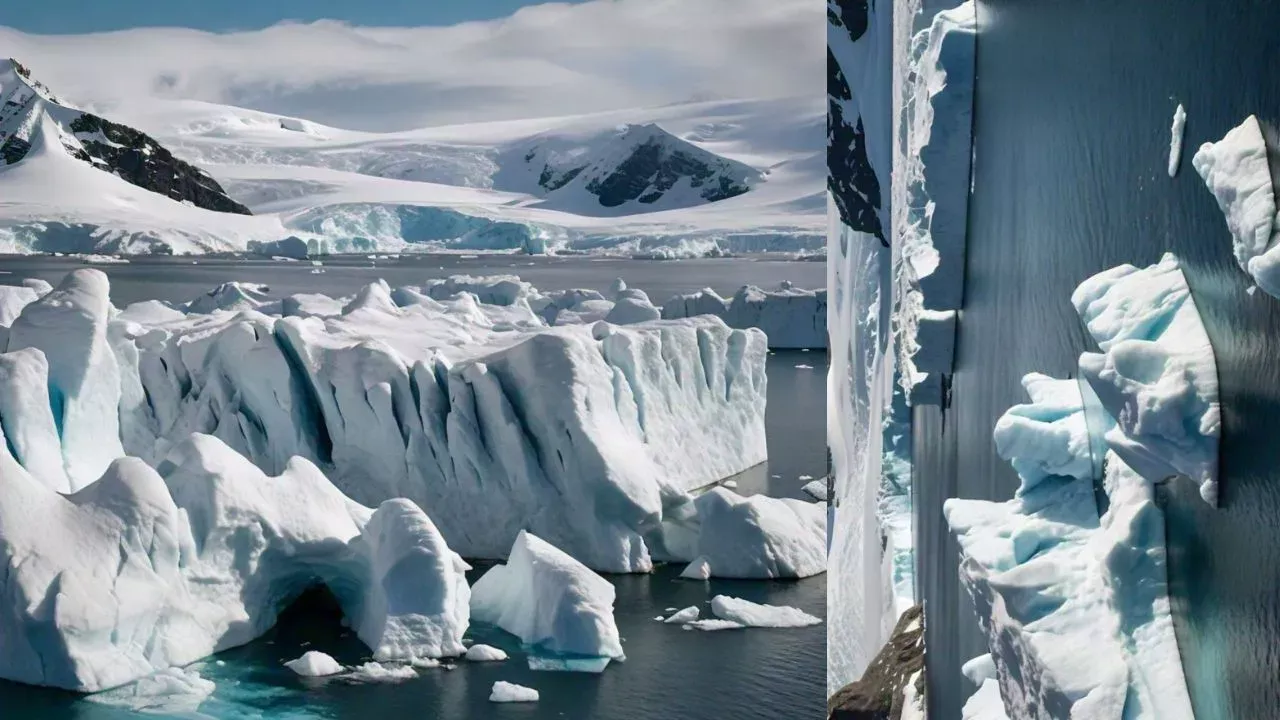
(688, 614)
(314, 663)
(1236, 171)
(376, 672)
(505, 692)
(711, 624)
(1175, 140)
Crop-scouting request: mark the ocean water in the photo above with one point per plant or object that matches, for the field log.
(1071, 126)
(669, 672)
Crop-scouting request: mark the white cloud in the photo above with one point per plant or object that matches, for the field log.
(551, 59)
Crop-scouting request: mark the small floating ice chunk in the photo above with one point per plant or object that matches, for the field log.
(314, 663)
(749, 614)
(804, 367)
(711, 624)
(699, 569)
(688, 614)
(381, 672)
(1175, 141)
(505, 692)
(485, 653)
(731, 484)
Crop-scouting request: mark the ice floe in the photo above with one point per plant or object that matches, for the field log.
(688, 614)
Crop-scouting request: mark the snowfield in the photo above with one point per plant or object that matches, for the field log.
(681, 180)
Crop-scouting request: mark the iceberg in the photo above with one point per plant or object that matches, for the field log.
(553, 603)
(505, 692)
(149, 569)
(749, 614)
(985, 704)
(314, 663)
(699, 569)
(790, 317)
(478, 411)
(1156, 374)
(1236, 171)
(753, 537)
(1055, 580)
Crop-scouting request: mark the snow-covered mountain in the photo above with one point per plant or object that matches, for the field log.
(30, 114)
(691, 178)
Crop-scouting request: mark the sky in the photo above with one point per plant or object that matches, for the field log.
(360, 73)
(84, 16)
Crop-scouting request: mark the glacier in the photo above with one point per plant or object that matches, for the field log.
(1073, 598)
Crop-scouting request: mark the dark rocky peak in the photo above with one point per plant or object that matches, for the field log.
(130, 154)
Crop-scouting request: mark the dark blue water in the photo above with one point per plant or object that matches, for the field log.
(1072, 110)
(669, 672)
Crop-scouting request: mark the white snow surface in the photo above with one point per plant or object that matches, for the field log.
(789, 316)
(1074, 604)
(314, 663)
(462, 187)
(485, 653)
(1236, 171)
(750, 614)
(553, 603)
(1176, 131)
(1156, 374)
(505, 692)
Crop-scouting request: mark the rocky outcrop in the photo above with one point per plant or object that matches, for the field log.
(119, 149)
(850, 178)
(637, 163)
(880, 693)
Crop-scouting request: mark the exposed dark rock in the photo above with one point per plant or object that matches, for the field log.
(878, 695)
(139, 159)
(655, 169)
(850, 177)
